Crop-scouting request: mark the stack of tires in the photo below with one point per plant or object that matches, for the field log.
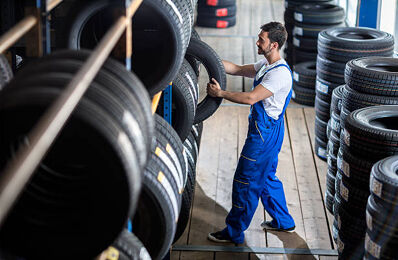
(337, 46)
(96, 162)
(216, 13)
(288, 16)
(310, 20)
(333, 134)
(370, 134)
(304, 75)
(381, 211)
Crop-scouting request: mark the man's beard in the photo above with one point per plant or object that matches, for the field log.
(265, 52)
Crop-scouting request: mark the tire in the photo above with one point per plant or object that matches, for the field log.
(303, 56)
(190, 76)
(171, 142)
(216, 22)
(337, 100)
(320, 129)
(329, 198)
(332, 162)
(183, 104)
(216, 2)
(333, 143)
(129, 247)
(5, 71)
(331, 71)
(371, 132)
(375, 76)
(343, 116)
(344, 44)
(197, 133)
(195, 64)
(317, 13)
(310, 30)
(302, 95)
(322, 111)
(324, 89)
(214, 67)
(384, 181)
(158, 208)
(117, 180)
(192, 147)
(305, 74)
(173, 31)
(354, 168)
(320, 148)
(292, 4)
(335, 123)
(330, 183)
(305, 43)
(221, 11)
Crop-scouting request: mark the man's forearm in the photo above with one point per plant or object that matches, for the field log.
(231, 68)
(238, 97)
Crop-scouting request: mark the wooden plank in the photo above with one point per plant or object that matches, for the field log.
(315, 224)
(226, 168)
(321, 166)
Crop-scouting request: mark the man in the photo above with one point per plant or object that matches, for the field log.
(255, 174)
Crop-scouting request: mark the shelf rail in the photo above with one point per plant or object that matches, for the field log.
(21, 168)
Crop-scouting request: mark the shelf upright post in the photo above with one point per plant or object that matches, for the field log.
(167, 103)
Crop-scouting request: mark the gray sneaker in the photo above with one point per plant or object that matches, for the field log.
(268, 226)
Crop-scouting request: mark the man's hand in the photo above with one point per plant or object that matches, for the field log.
(214, 89)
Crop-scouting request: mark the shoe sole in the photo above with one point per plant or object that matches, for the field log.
(278, 229)
(214, 239)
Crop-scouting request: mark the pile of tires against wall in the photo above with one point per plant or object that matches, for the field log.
(112, 138)
(216, 13)
(337, 46)
(309, 20)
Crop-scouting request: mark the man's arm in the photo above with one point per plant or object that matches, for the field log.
(250, 98)
(239, 70)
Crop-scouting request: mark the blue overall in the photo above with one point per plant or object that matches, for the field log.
(255, 174)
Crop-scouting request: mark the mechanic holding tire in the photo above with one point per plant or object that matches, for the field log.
(255, 174)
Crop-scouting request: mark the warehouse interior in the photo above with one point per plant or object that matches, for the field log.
(113, 148)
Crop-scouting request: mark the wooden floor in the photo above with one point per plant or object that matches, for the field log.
(301, 172)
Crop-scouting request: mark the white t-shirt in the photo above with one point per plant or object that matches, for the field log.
(278, 81)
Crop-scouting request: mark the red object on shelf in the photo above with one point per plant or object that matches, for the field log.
(212, 2)
(222, 24)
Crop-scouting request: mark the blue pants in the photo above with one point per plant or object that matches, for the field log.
(255, 178)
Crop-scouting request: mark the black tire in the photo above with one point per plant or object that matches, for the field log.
(129, 247)
(171, 142)
(320, 129)
(173, 32)
(197, 133)
(384, 181)
(190, 76)
(332, 162)
(216, 2)
(324, 89)
(330, 182)
(215, 22)
(373, 75)
(305, 74)
(305, 43)
(331, 71)
(117, 178)
(214, 67)
(343, 116)
(335, 123)
(303, 56)
(302, 95)
(310, 30)
(293, 4)
(333, 143)
(217, 11)
(158, 208)
(344, 44)
(319, 14)
(192, 147)
(322, 111)
(195, 64)
(337, 100)
(372, 132)
(329, 199)
(183, 104)
(320, 148)
(355, 168)
(5, 71)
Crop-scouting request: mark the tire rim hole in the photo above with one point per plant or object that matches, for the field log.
(356, 36)
(383, 67)
(390, 123)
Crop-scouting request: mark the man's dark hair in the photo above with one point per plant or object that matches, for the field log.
(276, 32)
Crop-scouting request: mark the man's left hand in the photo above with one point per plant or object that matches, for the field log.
(214, 89)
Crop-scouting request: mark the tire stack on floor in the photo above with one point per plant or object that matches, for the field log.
(96, 162)
(333, 134)
(216, 13)
(288, 16)
(381, 210)
(370, 134)
(304, 75)
(337, 46)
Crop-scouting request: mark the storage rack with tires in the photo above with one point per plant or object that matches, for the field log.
(27, 158)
